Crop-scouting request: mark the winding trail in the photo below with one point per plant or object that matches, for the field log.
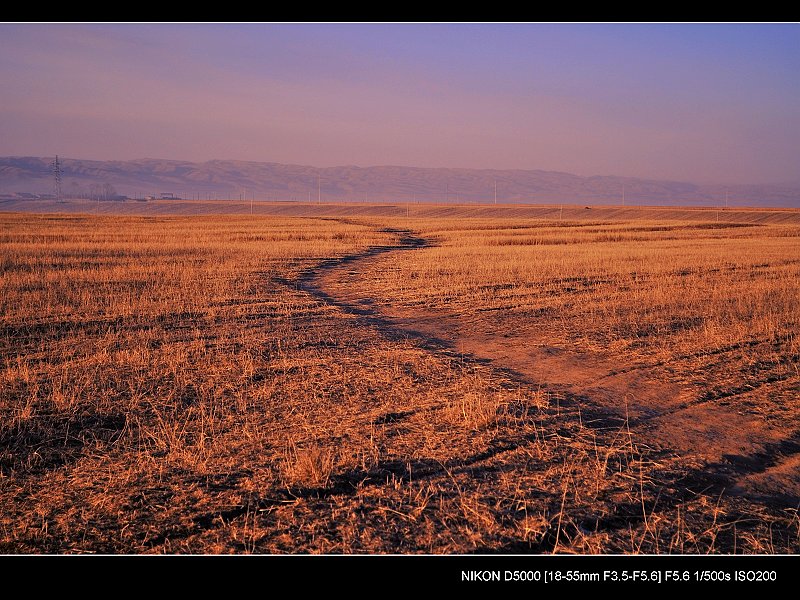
(416, 327)
(312, 281)
(309, 279)
(665, 416)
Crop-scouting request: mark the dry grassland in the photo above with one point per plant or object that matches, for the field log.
(387, 384)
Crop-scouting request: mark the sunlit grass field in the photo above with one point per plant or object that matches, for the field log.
(217, 384)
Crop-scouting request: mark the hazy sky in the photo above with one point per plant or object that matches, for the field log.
(702, 103)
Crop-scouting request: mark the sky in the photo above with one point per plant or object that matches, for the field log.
(705, 103)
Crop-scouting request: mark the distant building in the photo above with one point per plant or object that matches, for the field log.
(169, 196)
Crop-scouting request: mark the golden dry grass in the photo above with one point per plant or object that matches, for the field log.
(220, 384)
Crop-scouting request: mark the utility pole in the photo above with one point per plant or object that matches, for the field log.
(56, 165)
(319, 189)
(446, 193)
(623, 194)
(495, 191)
(726, 197)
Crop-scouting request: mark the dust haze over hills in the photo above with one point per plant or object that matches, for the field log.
(228, 179)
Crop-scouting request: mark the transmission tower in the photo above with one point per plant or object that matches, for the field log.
(56, 166)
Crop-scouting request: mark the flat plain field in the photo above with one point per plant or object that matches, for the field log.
(433, 380)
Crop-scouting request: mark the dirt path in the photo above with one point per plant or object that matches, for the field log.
(731, 445)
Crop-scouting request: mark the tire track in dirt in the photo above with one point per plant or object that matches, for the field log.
(557, 423)
(602, 408)
(364, 307)
(595, 415)
(399, 330)
(391, 328)
(566, 409)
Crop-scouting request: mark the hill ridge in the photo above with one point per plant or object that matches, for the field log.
(236, 179)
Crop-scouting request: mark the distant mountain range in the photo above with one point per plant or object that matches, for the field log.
(229, 179)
